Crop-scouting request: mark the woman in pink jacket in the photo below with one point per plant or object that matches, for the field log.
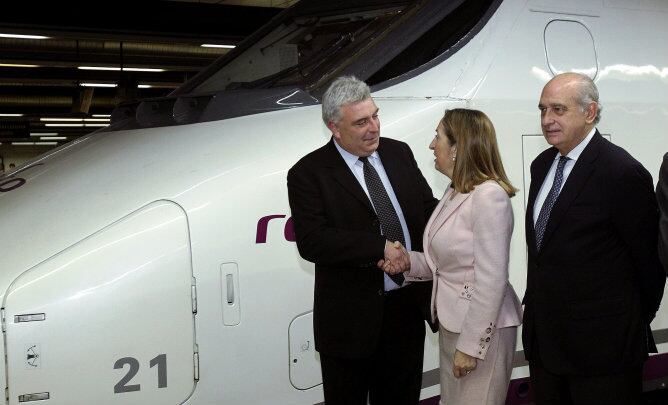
(466, 244)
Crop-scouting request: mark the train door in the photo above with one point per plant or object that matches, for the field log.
(109, 320)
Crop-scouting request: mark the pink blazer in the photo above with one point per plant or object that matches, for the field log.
(466, 244)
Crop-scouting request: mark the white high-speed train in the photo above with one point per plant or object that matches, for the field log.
(154, 262)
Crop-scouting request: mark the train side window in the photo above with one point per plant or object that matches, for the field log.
(569, 46)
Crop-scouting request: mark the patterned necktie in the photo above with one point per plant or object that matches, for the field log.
(389, 220)
(551, 198)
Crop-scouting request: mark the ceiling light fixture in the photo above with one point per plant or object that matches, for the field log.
(46, 143)
(129, 69)
(158, 85)
(218, 46)
(98, 84)
(11, 115)
(98, 68)
(75, 119)
(21, 36)
(22, 143)
(43, 133)
(53, 138)
(125, 69)
(102, 115)
(19, 65)
(73, 124)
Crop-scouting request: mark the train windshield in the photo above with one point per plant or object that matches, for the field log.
(314, 41)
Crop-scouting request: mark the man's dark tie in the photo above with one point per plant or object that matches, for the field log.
(551, 198)
(389, 220)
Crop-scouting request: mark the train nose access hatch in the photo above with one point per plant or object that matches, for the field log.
(109, 320)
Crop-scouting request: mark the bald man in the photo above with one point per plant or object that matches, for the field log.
(594, 280)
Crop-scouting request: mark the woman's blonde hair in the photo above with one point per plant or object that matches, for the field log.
(478, 157)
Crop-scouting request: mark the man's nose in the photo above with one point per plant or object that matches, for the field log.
(375, 125)
(546, 118)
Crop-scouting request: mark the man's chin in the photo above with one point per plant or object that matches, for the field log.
(552, 137)
(372, 145)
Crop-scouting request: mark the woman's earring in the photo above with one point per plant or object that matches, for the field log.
(454, 158)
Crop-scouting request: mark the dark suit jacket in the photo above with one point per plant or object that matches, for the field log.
(596, 283)
(337, 229)
(662, 199)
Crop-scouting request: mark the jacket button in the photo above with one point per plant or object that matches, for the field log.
(381, 292)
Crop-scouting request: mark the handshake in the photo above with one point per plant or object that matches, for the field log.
(396, 259)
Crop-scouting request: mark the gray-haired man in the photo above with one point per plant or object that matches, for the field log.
(351, 200)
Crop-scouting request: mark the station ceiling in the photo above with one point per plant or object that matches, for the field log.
(138, 52)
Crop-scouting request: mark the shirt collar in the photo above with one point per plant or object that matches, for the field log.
(351, 159)
(577, 151)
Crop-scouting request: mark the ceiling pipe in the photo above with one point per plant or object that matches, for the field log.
(15, 100)
(88, 46)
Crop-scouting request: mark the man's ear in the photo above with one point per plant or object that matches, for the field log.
(335, 131)
(591, 111)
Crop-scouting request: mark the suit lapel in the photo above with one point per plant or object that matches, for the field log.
(442, 212)
(576, 181)
(425, 235)
(396, 175)
(341, 173)
(447, 209)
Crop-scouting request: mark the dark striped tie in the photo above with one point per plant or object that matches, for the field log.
(551, 198)
(389, 220)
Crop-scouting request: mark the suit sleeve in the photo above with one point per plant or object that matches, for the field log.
(420, 270)
(635, 217)
(662, 200)
(492, 229)
(318, 241)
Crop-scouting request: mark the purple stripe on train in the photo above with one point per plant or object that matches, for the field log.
(519, 390)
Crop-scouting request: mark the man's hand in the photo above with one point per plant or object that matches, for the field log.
(396, 259)
(463, 364)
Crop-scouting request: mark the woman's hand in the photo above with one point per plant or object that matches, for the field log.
(397, 260)
(463, 364)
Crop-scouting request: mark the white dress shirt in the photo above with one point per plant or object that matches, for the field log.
(573, 156)
(357, 168)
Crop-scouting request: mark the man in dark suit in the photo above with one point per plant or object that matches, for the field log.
(594, 281)
(369, 329)
(662, 199)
